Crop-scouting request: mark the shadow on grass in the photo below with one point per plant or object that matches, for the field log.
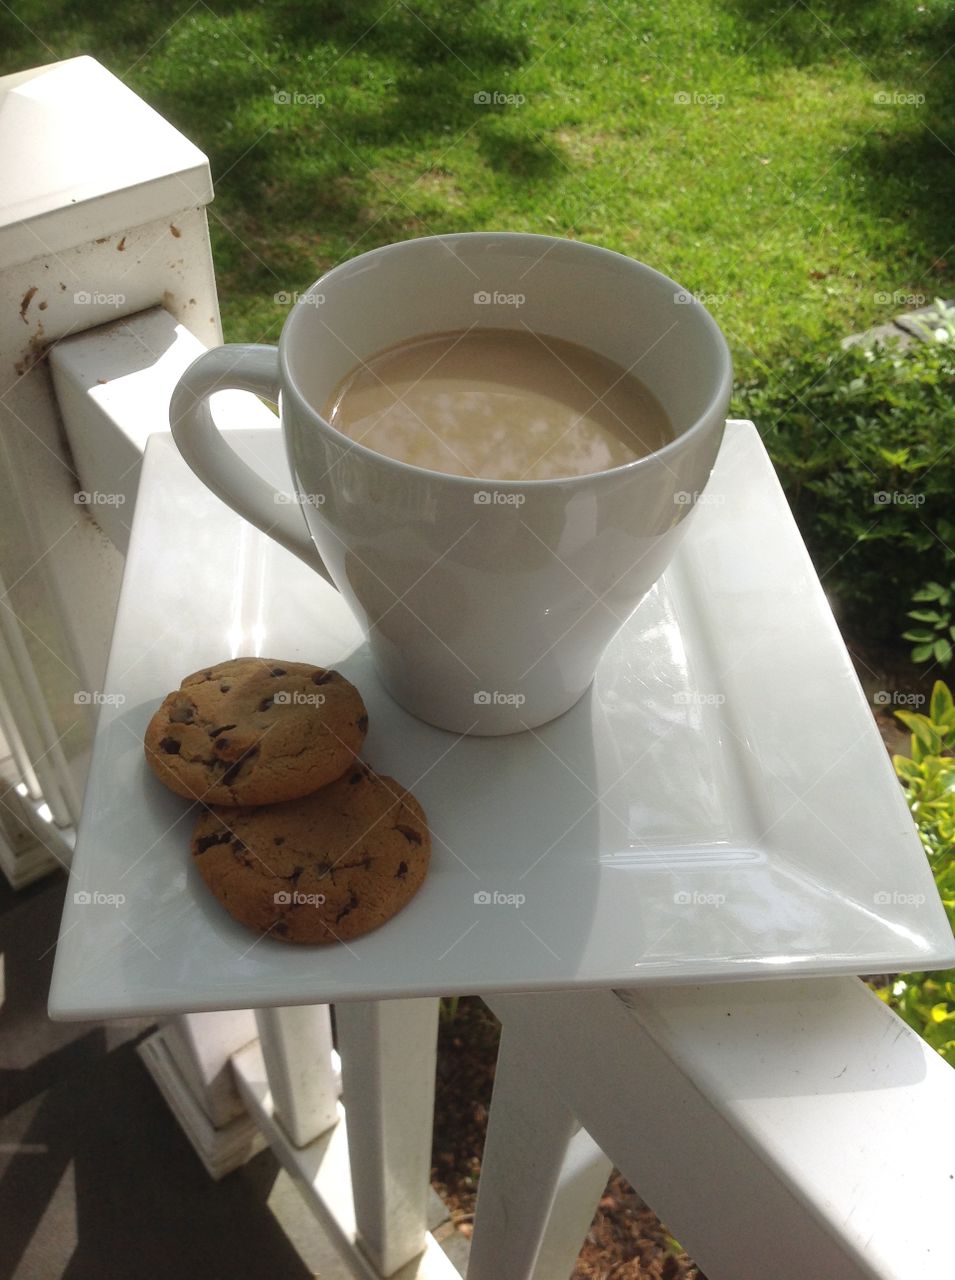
(902, 168)
(400, 147)
(304, 182)
(872, 31)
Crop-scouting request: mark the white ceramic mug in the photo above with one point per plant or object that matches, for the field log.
(487, 604)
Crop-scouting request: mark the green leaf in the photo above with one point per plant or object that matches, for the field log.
(894, 457)
(919, 637)
(906, 769)
(941, 701)
(931, 591)
(943, 651)
(946, 721)
(921, 727)
(924, 615)
(922, 652)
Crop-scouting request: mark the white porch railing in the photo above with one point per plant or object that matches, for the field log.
(788, 1128)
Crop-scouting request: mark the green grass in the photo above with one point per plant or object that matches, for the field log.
(790, 199)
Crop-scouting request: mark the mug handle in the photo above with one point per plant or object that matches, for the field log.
(243, 367)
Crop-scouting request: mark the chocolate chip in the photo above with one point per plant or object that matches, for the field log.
(214, 733)
(224, 688)
(221, 744)
(265, 703)
(364, 862)
(402, 870)
(277, 840)
(322, 677)
(409, 833)
(170, 746)
(355, 777)
(184, 713)
(278, 671)
(296, 872)
(363, 723)
(349, 906)
(233, 770)
(206, 842)
(280, 927)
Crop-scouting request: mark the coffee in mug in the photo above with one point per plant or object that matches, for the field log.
(499, 404)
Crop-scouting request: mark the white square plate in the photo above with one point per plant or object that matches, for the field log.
(718, 806)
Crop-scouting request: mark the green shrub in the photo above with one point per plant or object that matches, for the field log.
(864, 443)
(935, 632)
(927, 1000)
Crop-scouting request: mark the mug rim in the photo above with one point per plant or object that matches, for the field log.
(703, 422)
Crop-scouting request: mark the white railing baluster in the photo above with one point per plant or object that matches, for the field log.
(583, 1179)
(297, 1050)
(202, 1045)
(33, 720)
(540, 1178)
(22, 764)
(190, 1059)
(389, 1051)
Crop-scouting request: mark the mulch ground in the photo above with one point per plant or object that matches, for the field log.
(626, 1240)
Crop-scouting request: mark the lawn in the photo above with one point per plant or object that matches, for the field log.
(791, 165)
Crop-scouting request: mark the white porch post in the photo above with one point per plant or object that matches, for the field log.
(541, 1175)
(99, 231)
(96, 232)
(111, 224)
(297, 1050)
(389, 1051)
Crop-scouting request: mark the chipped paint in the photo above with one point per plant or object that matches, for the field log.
(25, 303)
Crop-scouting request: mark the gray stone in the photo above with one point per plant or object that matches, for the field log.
(882, 333)
(909, 321)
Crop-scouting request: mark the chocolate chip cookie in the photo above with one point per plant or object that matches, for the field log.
(325, 868)
(256, 731)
